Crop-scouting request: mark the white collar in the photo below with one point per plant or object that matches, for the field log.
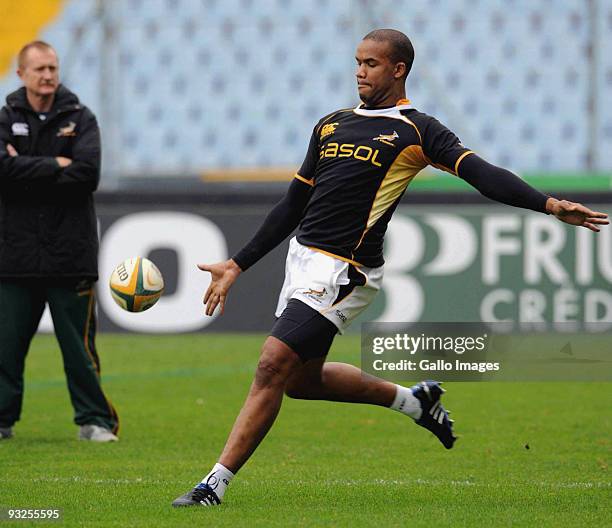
(393, 111)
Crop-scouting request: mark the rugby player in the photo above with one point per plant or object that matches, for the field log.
(358, 165)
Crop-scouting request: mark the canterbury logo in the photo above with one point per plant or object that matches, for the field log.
(328, 129)
(68, 130)
(387, 138)
(318, 293)
(20, 129)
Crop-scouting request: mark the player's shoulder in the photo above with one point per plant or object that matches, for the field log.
(420, 119)
(427, 125)
(333, 114)
(326, 119)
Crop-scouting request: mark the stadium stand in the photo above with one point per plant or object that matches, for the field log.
(182, 87)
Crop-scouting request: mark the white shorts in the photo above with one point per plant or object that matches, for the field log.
(338, 290)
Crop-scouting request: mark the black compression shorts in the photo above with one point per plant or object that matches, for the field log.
(304, 330)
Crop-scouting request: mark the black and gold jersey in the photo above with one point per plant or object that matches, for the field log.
(359, 163)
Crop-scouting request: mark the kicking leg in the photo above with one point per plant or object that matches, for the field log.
(311, 335)
(317, 380)
(341, 382)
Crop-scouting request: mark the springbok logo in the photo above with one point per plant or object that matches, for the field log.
(387, 138)
(68, 130)
(318, 293)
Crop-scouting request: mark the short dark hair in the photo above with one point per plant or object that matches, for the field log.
(38, 44)
(401, 47)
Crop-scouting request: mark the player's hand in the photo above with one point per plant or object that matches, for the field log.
(63, 162)
(223, 275)
(11, 151)
(576, 214)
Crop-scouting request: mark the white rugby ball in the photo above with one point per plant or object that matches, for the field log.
(136, 284)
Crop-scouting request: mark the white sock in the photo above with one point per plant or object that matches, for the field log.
(218, 479)
(406, 403)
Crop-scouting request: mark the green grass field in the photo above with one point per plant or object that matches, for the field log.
(323, 464)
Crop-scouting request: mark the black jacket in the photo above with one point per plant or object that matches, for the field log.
(48, 225)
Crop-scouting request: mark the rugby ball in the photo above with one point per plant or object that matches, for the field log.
(136, 284)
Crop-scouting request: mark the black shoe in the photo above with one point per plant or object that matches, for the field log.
(6, 433)
(434, 417)
(201, 495)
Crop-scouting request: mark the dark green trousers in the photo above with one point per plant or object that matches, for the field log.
(73, 310)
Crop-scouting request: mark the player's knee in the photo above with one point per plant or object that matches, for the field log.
(275, 366)
(268, 373)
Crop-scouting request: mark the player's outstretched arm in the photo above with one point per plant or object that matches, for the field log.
(223, 275)
(503, 186)
(576, 214)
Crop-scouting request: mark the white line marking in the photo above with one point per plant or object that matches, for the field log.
(330, 482)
